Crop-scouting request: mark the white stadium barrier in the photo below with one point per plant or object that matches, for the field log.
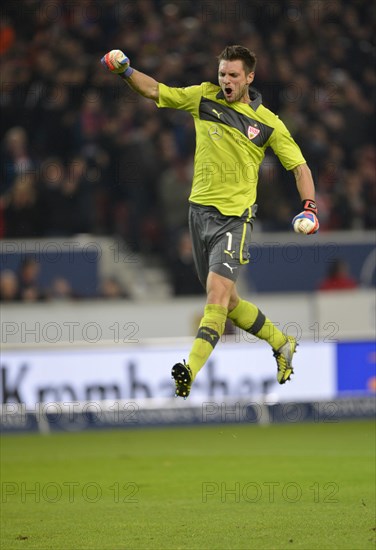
(53, 378)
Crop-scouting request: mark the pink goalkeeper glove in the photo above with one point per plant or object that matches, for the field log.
(118, 63)
(306, 222)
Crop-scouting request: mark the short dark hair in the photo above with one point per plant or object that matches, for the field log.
(232, 53)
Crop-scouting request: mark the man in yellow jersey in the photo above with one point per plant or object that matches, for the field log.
(233, 129)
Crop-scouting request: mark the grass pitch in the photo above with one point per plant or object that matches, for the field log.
(292, 486)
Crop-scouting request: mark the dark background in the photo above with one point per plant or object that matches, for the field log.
(81, 153)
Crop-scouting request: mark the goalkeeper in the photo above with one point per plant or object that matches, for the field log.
(233, 129)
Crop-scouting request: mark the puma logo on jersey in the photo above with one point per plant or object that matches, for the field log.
(217, 113)
(229, 266)
(230, 253)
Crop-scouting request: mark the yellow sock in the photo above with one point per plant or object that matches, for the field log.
(210, 330)
(248, 317)
(271, 334)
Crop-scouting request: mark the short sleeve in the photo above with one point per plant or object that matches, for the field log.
(285, 147)
(185, 99)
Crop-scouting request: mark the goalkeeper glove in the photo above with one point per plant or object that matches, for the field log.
(307, 222)
(118, 63)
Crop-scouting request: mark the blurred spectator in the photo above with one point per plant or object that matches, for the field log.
(77, 193)
(91, 119)
(338, 277)
(56, 215)
(350, 203)
(111, 288)
(7, 35)
(66, 197)
(60, 290)
(56, 122)
(8, 286)
(174, 190)
(28, 281)
(21, 210)
(16, 161)
(183, 274)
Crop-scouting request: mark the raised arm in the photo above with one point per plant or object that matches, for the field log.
(118, 63)
(143, 84)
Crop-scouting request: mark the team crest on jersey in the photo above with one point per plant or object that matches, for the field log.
(253, 132)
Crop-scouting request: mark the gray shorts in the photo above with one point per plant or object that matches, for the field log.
(220, 243)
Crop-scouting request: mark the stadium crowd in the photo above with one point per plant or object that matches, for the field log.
(81, 153)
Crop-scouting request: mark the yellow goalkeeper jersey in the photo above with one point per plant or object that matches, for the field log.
(231, 139)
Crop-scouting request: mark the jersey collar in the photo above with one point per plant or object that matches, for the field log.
(254, 96)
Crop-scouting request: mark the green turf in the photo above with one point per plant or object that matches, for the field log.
(224, 487)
